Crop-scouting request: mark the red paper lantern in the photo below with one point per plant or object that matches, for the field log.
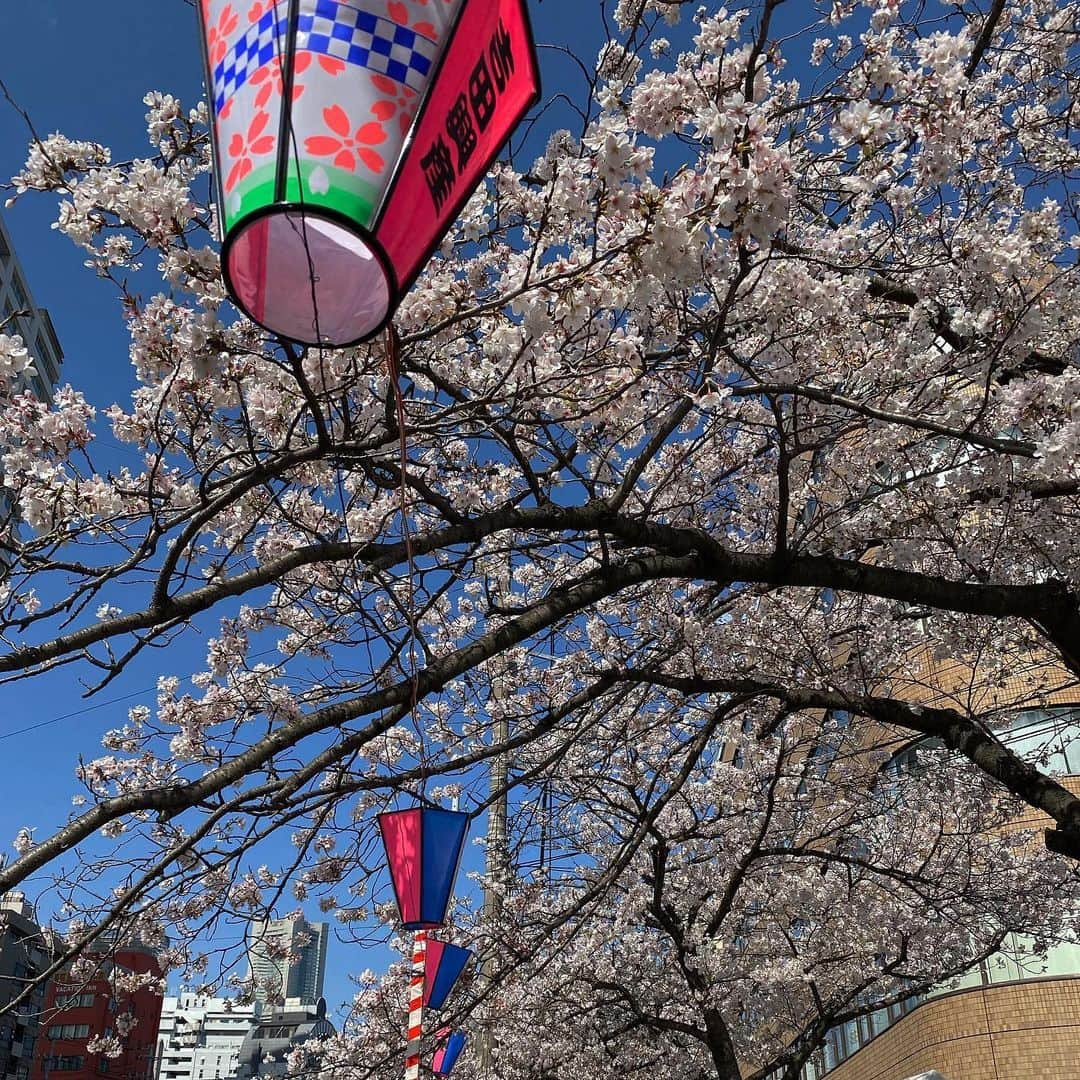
(423, 848)
(347, 136)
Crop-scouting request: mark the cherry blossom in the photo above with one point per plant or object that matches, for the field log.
(729, 443)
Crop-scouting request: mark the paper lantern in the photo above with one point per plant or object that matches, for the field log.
(347, 136)
(445, 963)
(447, 1053)
(423, 847)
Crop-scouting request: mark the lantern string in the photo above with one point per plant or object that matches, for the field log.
(393, 367)
(392, 362)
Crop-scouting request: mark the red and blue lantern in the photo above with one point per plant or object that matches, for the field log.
(447, 1054)
(423, 848)
(445, 963)
(347, 136)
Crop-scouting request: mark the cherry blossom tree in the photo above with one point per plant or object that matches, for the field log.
(755, 381)
(717, 915)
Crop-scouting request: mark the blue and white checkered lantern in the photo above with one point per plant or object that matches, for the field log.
(315, 106)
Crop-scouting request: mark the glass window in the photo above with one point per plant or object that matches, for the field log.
(69, 1031)
(829, 1058)
(45, 356)
(64, 1064)
(18, 291)
(1049, 738)
(40, 389)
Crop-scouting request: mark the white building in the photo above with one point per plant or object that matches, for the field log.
(199, 1038)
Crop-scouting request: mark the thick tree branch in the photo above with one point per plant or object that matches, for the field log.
(958, 732)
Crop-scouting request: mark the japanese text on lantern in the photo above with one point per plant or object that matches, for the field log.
(487, 79)
(470, 112)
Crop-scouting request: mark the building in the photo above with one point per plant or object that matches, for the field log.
(1018, 1013)
(77, 1011)
(287, 959)
(24, 954)
(278, 1033)
(199, 1038)
(20, 315)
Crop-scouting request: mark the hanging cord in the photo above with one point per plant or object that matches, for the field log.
(393, 369)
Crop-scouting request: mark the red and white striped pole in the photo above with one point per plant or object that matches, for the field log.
(416, 1006)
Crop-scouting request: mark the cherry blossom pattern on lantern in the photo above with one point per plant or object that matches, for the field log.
(243, 148)
(346, 145)
(217, 39)
(271, 81)
(400, 102)
(399, 13)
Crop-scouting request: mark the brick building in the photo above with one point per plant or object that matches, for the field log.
(1016, 1016)
(75, 1012)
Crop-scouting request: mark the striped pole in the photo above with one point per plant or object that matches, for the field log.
(416, 1007)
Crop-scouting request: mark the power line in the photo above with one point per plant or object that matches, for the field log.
(93, 708)
(77, 712)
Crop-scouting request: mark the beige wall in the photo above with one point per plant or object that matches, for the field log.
(1023, 1031)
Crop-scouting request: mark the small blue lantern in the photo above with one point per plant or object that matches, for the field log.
(445, 963)
(447, 1054)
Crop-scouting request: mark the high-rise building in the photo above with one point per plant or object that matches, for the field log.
(199, 1038)
(24, 954)
(287, 958)
(25, 318)
(77, 1010)
(20, 315)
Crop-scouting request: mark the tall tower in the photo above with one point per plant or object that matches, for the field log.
(288, 959)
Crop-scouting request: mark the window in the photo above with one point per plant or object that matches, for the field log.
(19, 292)
(76, 1001)
(46, 358)
(1049, 738)
(64, 1064)
(69, 1031)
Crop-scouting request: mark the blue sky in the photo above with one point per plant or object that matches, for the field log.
(83, 68)
(80, 68)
